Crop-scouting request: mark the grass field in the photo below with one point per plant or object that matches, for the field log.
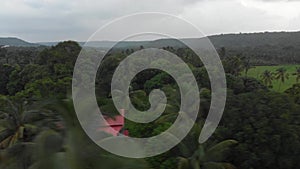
(258, 70)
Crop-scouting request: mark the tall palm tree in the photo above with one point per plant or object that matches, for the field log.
(234, 65)
(281, 74)
(267, 78)
(247, 66)
(18, 118)
(297, 74)
(195, 156)
(20, 122)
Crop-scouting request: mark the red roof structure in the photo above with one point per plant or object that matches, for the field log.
(115, 125)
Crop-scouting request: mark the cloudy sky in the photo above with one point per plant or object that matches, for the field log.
(54, 20)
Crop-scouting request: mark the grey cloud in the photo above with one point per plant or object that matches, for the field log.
(40, 20)
(272, 0)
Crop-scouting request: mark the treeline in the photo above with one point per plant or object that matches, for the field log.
(19, 55)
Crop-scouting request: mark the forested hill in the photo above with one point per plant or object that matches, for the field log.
(283, 39)
(286, 40)
(10, 41)
(262, 48)
(269, 48)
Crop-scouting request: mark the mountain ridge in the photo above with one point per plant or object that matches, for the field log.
(222, 40)
(14, 41)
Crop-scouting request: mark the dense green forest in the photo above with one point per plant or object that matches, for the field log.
(260, 128)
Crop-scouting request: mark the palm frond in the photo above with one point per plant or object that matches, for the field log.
(217, 152)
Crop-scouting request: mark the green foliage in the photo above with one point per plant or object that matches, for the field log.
(297, 74)
(20, 120)
(14, 85)
(281, 75)
(64, 52)
(294, 92)
(5, 71)
(46, 88)
(234, 65)
(267, 78)
(105, 73)
(158, 81)
(201, 77)
(234, 83)
(212, 158)
(266, 124)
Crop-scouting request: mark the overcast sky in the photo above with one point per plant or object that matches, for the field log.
(56, 20)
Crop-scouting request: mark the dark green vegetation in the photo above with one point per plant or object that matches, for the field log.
(260, 128)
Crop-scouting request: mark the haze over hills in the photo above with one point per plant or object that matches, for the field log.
(104, 44)
(223, 40)
(242, 40)
(262, 48)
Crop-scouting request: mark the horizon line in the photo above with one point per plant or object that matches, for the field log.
(218, 34)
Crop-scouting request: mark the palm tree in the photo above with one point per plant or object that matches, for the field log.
(18, 118)
(210, 159)
(20, 122)
(281, 75)
(267, 78)
(195, 156)
(247, 65)
(297, 74)
(234, 65)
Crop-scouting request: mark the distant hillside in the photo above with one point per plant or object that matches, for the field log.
(16, 42)
(252, 40)
(104, 44)
(263, 48)
(268, 48)
(242, 40)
